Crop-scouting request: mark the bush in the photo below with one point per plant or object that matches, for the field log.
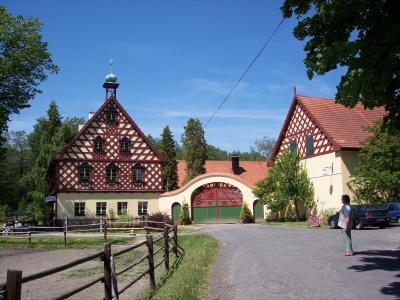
(159, 217)
(246, 212)
(185, 216)
(287, 219)
(123, 218)
(326, 213)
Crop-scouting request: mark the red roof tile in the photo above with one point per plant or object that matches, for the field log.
(344, 125)
(250, 171)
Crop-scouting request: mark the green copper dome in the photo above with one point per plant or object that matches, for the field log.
(111, 78)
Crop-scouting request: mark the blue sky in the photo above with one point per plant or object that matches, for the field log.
(174, 60)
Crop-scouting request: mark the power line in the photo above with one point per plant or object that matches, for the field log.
(245, 72)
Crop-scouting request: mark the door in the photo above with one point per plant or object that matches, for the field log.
(258, 211)
(176, 212)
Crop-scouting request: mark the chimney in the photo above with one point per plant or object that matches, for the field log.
(235, 163)
(80, 126)
(91, 114)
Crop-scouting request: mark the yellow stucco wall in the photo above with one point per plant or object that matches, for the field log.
(166, 202)
(66, 203)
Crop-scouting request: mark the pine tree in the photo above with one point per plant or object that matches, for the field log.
(195, 146)
(54, 118)
(167, 148)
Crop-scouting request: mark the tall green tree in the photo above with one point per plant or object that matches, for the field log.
(167, 148)
(214, 153)
(155, 141)
(265, 146)
(377, 176)
(54, 118)
(24, 64)
(361, 35)
(287, 183)
(195, 146)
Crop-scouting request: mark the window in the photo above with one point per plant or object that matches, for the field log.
(137, 172)
(124, 144)
(309, 145)
(80, 209)
(84, 172)
(98, 143)
(111, 172)
(112, 114)
(292, 146)
(101, 208)
(122, 208)
(142, 208)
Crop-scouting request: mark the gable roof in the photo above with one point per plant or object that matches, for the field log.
(249, 171)
(342, 126)
(112, 99)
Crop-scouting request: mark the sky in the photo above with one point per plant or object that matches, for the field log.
(174, 60)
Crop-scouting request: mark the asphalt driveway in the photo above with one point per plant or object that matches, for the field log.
(275, 262)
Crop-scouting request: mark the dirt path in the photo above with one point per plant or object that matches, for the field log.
(32, 261)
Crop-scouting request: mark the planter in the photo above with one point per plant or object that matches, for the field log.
(246, 221)
(184, 222)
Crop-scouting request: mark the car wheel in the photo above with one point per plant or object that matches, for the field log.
(359, 226)
(398, 221)
(332, 224)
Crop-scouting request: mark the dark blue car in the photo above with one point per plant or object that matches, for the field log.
(394, 210)
(368, 215)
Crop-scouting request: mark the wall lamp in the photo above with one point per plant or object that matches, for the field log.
(324, 172)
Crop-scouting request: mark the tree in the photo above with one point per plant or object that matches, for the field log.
(265, 146)
(54, 118)
(167, 148)
(155, 141)
(287, 182)
(361, 35)
(195, 146)
(377, 176)
(214, 153)
(24, 60)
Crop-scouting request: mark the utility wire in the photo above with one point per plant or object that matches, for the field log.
(244, 72)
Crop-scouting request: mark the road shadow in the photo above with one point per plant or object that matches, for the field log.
(387, 260)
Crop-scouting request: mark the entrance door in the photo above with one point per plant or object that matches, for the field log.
(176, 212)
(258, 211)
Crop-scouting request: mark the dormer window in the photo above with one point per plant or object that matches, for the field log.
(98, 144)
(124, 142)
(111, 170)
(112, 114)
(84, 171)
(137, 173)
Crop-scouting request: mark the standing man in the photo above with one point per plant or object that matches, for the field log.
(346, 223)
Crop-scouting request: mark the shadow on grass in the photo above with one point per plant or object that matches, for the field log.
(387, 260)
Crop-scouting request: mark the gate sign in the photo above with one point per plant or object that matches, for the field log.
(51, 199)
(322, 202)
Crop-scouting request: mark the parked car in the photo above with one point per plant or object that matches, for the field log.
(394, 210)
(368, 215)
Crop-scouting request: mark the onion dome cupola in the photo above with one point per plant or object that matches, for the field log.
(110, 83)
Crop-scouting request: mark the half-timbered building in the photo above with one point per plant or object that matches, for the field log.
(108, 164)
(327, 137)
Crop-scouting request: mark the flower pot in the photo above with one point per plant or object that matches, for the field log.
(246, 221)
(184, 222)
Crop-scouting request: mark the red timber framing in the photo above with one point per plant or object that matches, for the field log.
(219, 192)
(299, 125)
(103, 154)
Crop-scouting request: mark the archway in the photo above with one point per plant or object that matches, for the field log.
(216, 202)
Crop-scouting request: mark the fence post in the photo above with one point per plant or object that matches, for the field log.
(105, 230)
(107, 272)
(176, 240)
(101, 224)
(14, 284)
(166, 247)
(151, 261)
(66, 223)
(29, 238)
(65, 234)
(146, 224)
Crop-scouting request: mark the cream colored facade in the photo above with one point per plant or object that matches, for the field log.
(168, 199)
(66, 203)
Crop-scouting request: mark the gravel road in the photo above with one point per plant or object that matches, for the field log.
(279, 262)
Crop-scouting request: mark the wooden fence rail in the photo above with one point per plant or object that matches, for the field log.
(11, 290)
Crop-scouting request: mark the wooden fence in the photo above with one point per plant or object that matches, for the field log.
(11, 290)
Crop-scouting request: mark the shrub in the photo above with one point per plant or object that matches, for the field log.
(185, 216)
(326, 213)
(287, 219)
(159, 216)
(245, 212)
(111, 214)
(124, 218)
